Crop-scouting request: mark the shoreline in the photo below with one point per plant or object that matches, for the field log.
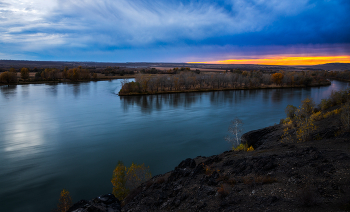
(276, 175)
(66, 81)
(226, 89)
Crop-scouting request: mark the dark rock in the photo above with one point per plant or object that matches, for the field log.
(187, 163)
(256, 137)
(275, 177)
(102, 203)
(211, 160)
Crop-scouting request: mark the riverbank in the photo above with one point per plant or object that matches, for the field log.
(324, 83)
(276, 176)
(21, 82)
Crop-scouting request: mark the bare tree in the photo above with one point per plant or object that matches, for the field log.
(235, 130)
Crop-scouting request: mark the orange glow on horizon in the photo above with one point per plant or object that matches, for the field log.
(278, 60)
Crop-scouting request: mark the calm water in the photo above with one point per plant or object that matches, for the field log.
(55, 136)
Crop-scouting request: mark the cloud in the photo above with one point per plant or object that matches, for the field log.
(108, 25)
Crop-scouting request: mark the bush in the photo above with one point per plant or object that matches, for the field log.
(126, 179)
(290, 111)
(325, 104)
(243, 147)
(331, 113)
(307, 107)
(305, 127)
(65, 201)
(316, 116)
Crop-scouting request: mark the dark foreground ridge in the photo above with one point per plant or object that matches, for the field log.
(308, 176)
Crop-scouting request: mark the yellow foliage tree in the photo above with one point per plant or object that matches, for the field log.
(305, 120)
(8, 77)
(24, 73)
(65, 201)
(243, 147)
(277, 78)
(136, 175)
(305, 127)
(118, 180)
(126, 179)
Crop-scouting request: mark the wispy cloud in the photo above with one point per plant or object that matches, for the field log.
(109, 25)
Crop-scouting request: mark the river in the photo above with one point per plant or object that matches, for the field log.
(55, 136)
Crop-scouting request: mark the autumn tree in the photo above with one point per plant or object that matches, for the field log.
(8, 77)
(126, 179)
(277, 78)
(13, 70)
(65, 201)
(304, 123)
(94, 76)
(235, 130)
(25, 73)
(119, 180)
(290, 111)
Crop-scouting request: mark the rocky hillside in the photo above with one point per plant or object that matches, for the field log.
(290, 176)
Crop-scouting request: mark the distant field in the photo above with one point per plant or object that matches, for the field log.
(17, 64)
(201, 69)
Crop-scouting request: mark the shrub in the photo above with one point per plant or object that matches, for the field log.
(325, 104)
(290, 111)
(126, 179)
(250, 149)
(305, 127)
(316, 116)
(331, 113)
(286, 137)
(243, 147)
(307, 107)
(65, 201)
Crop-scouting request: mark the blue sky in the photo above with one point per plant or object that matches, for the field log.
(171, 31)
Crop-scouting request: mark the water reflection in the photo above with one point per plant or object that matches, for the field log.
(76, 89)
(8, 91)
(52, 89)
(149, 103)
(25, 90)
(88, 129)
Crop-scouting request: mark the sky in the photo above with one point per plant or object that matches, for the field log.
(227, 31)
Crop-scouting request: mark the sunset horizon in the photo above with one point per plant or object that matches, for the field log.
(259, 32)
(283, 60)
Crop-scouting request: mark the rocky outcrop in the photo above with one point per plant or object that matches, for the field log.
(102, 203)
(276, 176)
(257, 138)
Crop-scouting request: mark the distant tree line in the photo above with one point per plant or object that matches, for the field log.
(191, 81)
(9, 76)
(339, 75)
(54, 74)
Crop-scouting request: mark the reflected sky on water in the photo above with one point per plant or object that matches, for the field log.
(55, 136)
